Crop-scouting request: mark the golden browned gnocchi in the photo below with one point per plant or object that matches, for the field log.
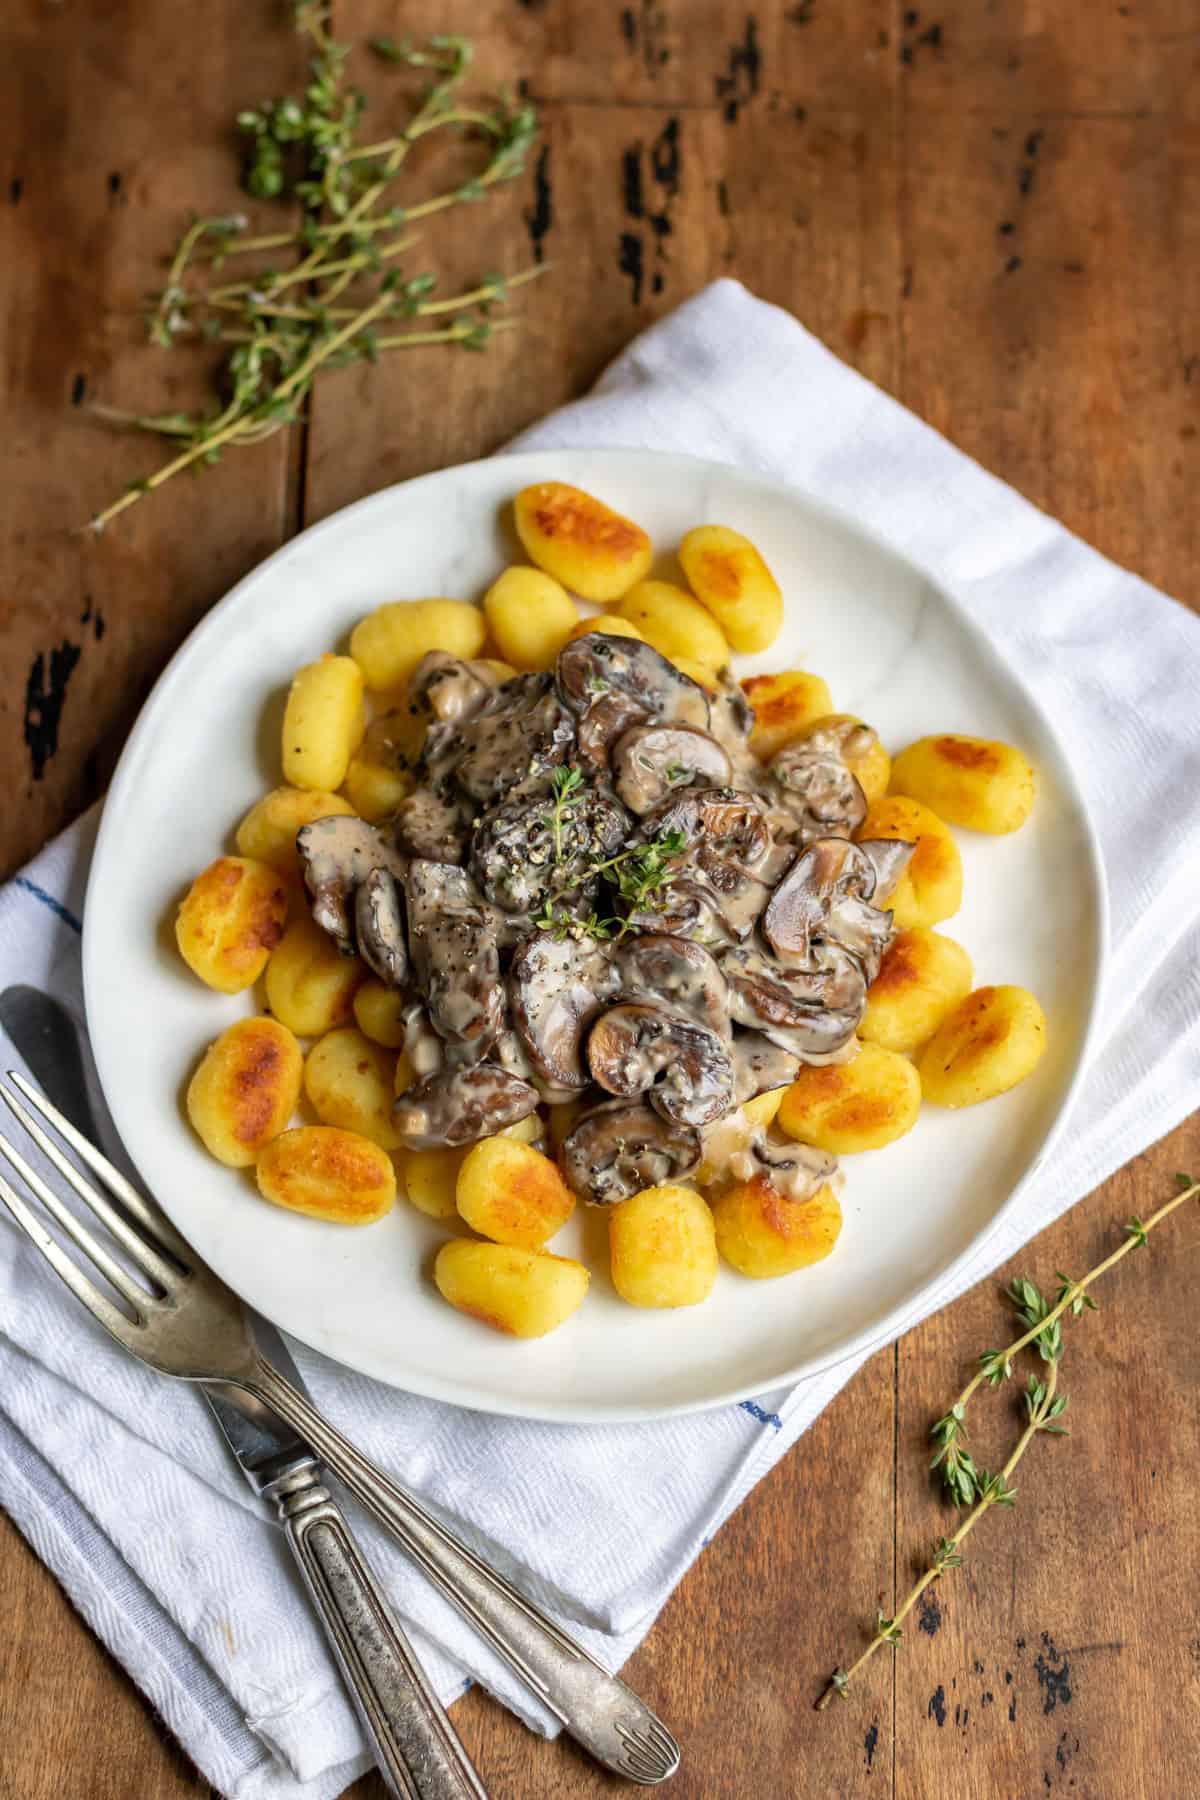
(977, 782)
(663, 1249)
(583, 543)
(230, 921)
(348, 1080)
(921, 979)
(328, 1174)
(726, 572)
(379, 1011)
(323, 723)
(267, 834)
(530, 617)
(245, 1089)
(853, 1106)
(762, 1233)
(676, 624)
(389, 643)
(612, 624)
(525, 1293)
(509, 1191)
(930, 889)
(310, 987)
(871, 766)
(992, 1040)
(375, 789)
(785, 706)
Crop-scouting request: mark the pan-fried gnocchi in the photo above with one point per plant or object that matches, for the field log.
(367, 1032)
(525, 1293)
(245, 1089)
(230, 921)
(930, 889)
(328, 1174)
(323, 723)
(762, 1233)
(592, 550)
(976, 782)
(992, 1040)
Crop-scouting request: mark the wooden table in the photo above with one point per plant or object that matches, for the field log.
(994, 212)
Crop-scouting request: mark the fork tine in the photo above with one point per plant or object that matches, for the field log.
(143, 1254)
(79, 1234)
(145, 1211)
(110, 1316)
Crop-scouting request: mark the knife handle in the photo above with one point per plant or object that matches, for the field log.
(414, 1742)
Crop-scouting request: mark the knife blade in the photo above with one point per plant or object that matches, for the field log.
(418, 1752)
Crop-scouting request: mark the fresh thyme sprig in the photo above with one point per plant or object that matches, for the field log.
(644, 869)
(566, 790)
(282, 323)
(1044, 1406)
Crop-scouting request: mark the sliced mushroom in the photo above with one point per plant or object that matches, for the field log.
(422, 1045)
(811, 1012)
(446, 689)
(525, 853)
(826, 895)
(556, 989)
(379, 927)
(759, 1065)
(452, 943)
(513, 743)
(727, 845)
(817, 788)
(889, 857)
(677, 974)
(460, 1106)
(653, 762)
(338, 853)
(621, 1147)
(612, 683)
(686, 909)
(433, 825)
(683, 1067)
(797, 1170)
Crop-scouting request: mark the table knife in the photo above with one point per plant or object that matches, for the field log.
(406, 1725)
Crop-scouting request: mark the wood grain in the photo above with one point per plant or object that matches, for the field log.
(993, 212)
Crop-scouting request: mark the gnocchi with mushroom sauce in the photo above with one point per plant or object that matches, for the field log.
(548, 908)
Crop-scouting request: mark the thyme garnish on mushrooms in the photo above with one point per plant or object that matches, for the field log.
(1044, 1406)
(283, 322)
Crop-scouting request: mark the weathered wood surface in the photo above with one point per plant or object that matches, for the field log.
(993, 212)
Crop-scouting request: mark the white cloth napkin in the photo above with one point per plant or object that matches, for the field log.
(116, 1476)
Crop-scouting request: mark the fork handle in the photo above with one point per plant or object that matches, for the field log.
(597, 1709)
(414, 1743)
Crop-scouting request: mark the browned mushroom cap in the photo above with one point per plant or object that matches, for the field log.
(826, 895)
(817, 788)
(677, 974)
(889, 858)
(682, 1067)
(524, 853)
(338, 853)
(621, 1147)
(459, 1106)
(728, 848)
(513, 742)
(759, 1065)
(452, 942)
(556, 989)
(379, 927)
(611, 683)
(445, 689)
(433, 824)
(652, 762)
(797, 1170)
(811, 1012)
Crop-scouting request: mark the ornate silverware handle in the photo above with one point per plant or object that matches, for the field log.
(597, 1709)
(414, 1743)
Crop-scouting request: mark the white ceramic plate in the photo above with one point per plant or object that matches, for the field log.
(893, 648)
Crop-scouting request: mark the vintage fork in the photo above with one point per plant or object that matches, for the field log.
(185, 1322)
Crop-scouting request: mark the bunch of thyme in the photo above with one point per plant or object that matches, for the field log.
(642, 870)
(975, 1488)
(344, 296)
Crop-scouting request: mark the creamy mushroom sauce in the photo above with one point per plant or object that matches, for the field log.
(598, 893)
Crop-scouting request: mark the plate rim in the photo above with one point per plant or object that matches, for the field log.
(900, 1317)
